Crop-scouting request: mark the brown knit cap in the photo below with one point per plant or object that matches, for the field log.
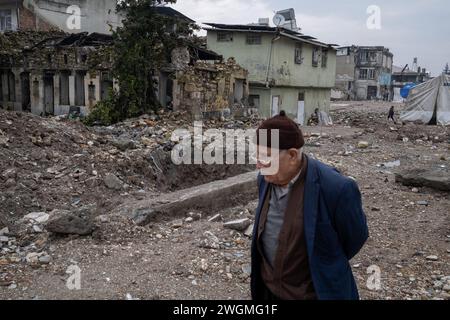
(291, 137)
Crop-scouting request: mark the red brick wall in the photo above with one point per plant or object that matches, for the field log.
(29, 21)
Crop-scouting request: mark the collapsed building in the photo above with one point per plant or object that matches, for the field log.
(55, 73)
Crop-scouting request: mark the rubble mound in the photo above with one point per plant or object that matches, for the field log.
(55, 163)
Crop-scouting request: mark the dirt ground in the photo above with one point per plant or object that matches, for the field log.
(192, 258)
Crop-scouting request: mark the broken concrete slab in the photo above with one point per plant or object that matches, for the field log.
(112, 182)
(211, 196)
(438, 179)
(36, 217)
(249, 231)
(66, 222)
(215, 218)
(238, 225)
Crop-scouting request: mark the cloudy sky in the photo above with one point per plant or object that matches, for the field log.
(410, 28)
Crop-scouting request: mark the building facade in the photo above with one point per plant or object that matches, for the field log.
(364, 73)
(287, 70)
(50, 73)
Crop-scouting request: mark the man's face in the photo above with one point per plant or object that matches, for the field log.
(277, 166)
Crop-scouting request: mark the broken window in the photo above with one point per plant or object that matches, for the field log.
(253, 101)
(315, 57)
(324, 58)
(298, 53)
(253, 38)
(5, 20)
(64, 89)
(224, 36)
(368, 56)
(367, 74)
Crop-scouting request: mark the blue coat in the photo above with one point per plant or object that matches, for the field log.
(335, 229)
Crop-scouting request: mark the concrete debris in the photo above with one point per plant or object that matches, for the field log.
(112, 182)
(238, 225)
(66, 222)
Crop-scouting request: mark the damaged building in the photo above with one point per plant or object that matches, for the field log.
(204, 84)
(364, 73)
(55, 73)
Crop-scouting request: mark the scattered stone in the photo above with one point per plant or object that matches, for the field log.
(4, 239)
(12, 286)
(45, 259)
(189, 220)
(4, 231)
(112, 182)
(247, 270)
(363, 145)
(249, 231)
(423, 203)
(37, 217)
(438, 179)
(32, 257)
(66, 222)
(238, 225)
(415, 190)
(209, 241)
(177, 224)
(159, 236)
(37, 229)
(195, 216)
(203, 265)
(124, 144)
(215, 218)
(432, 258)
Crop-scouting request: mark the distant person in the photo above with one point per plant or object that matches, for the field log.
(391, 115)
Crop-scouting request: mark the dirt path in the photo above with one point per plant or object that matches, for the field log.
(169, 260)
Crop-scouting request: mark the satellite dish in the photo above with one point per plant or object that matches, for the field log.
(279, 20)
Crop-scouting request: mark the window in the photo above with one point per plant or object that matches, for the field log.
(298, 53)
(253, 101)
(253, 39)
(368, 56)
(315, 57)
(5, 20)
(367, 74)
(224, 36)
(324, 58)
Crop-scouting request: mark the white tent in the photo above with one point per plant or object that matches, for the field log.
(428, 100)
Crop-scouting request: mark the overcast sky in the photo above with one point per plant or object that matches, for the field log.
(409, 28)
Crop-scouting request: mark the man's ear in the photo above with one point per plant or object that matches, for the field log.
(293, 153)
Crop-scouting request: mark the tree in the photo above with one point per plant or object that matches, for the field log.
(141, 47)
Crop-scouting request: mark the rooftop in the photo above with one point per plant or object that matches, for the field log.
(267, 29)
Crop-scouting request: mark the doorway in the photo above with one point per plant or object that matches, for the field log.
(301, 108)
(275, 105)
(26, 94)
(49, 105)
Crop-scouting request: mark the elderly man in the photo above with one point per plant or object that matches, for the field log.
(309, 222)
